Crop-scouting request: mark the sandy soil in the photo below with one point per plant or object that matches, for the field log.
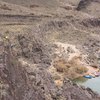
(92, 71)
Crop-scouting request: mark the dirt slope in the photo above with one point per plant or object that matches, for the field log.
(28, 31)
(44, 3)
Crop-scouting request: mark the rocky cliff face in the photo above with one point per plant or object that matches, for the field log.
(28, 34)
(25, 75)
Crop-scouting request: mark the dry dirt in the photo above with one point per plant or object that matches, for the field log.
(29, 30)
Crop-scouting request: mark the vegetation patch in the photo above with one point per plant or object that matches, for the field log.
(71, 69)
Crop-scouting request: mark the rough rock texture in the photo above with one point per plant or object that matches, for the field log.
(84, 3)
(32, 81)
(27, 34)
(89, 6)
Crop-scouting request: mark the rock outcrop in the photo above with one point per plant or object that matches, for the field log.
(32, 81)
(28, 31)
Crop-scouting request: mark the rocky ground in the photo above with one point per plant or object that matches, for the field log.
(31, 36)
